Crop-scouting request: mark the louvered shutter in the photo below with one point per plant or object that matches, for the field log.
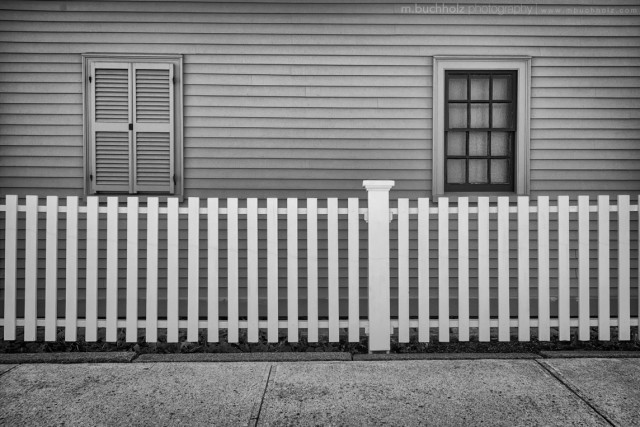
(153, 133)
(111, 113)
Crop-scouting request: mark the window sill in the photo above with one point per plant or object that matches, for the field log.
(122, 198)
(473, 197)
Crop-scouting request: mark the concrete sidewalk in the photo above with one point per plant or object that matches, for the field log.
(509, 392)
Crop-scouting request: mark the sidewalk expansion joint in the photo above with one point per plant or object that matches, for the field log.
(572, 388)
(8, 370)
(257, 407)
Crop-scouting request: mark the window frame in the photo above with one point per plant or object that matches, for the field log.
(177, 62)
(519, 64)
(487, 187)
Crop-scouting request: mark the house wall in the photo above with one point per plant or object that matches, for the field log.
(309, 99)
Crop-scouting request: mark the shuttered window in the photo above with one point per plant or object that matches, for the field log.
(132, 127)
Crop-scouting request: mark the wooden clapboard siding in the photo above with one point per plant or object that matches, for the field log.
(41, 133)
(310, 98)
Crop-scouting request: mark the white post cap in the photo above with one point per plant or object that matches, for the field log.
(378, 185)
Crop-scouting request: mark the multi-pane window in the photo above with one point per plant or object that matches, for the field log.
(480, 130)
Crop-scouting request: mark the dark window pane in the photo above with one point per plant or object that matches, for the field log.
(456, 144)
(455, 171)
(478, 171)
(502, 116)
(457, 116)
(501, 88)
(480, 88)
(500, 143)
(458, 88)
(477, 143)
(500, 171)
(479, 116)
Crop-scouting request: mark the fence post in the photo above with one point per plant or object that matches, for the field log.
(379, 276)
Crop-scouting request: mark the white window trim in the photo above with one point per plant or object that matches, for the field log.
(521, 64)
(177, 60)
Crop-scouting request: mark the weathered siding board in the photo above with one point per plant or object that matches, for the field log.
(41, 120)
(309, 99)
(309, 7)
(275, 28)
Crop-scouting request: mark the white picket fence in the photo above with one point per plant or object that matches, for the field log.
(479, 223)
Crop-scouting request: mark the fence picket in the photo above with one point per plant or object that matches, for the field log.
(173, 254)
(71, 275)
(31, 269)
(312, 269)
(624, 270)
(423, 270)
(193, 268)
(604, 330)
(354, 269)
(544, 313)
(292, 269)
(151, 326)
(132, 269)
(484, 319)
(443, 269)
(112, 270)
(51, 270)
(10, 267)
(584, 327)
(564, 332)
(91, 308)
(272, 270)
(213, 332)
(252, 270)
(333, 272)
(524, 331)
(403, 270)
(232, 271)
(504, 333)
(463, 269)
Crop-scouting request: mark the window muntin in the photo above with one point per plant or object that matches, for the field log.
(480, 127)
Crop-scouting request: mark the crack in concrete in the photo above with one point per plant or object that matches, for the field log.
(8, 370)
(572, 388)
(257, 407)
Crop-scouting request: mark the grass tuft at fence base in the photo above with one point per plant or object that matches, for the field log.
(323, 344)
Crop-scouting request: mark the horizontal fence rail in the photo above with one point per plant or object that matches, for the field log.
(216, 269)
